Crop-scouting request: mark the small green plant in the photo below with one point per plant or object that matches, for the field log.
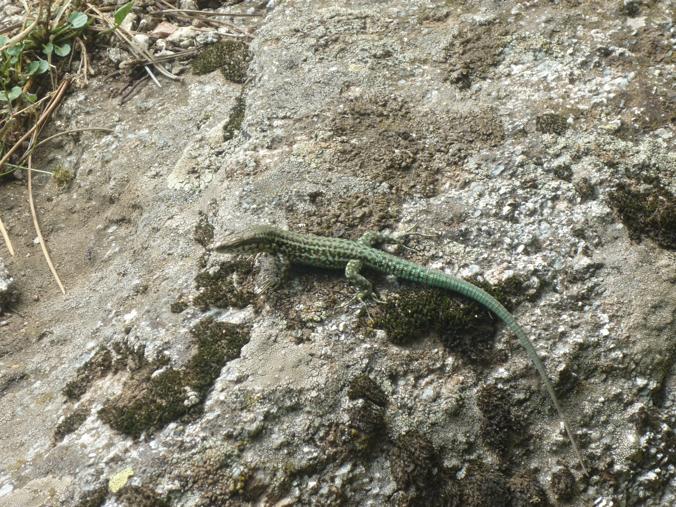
(21, 62)
(62, 177)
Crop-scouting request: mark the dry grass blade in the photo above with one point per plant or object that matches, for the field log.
(198, 15)
(205, 13)
(34, 146)
(136, 51)
(56, 100)
(5, 236)
(36, 224)
(38, 124)
(19, 36)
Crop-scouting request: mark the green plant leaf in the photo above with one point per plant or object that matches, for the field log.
(14, 50)
(14, 93)
(122, 12)
(44, 66)
(78, 20)
(30, 97)
(3, 40)
(62, 50)
(48, 49)
(33, 67)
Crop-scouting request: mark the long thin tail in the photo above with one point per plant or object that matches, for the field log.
(535, 359)
(444, 281)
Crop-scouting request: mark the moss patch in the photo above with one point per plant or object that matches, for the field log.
(648, 211)
(232, 284)
(231, 56)
(62, 177)
(500, 424)
(365, 388)
(203, 232)
(365, 430)
(70, 423)
(527, 491)
(551, 123)
(156, 395)
(98, 366)
(140, 496)
(463, 326)
(563, 484)
(418, 472)
(94, 498)
(219, 476)
(235, 118)
(483, 486)
(473, 52)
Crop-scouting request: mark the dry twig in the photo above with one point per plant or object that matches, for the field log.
(5, 236)
(56, 100)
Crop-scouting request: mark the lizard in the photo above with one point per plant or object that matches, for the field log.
(339, 253)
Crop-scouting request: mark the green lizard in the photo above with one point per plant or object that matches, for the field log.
(340, 253)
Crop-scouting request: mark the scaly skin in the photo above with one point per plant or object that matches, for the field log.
(336, 253)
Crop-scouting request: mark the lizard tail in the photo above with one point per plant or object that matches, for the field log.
(449, 282)
(535, 359)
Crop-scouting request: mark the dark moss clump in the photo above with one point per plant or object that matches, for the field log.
(235, 118)
(365, 388)
(140, 496)
(500, 425)
(147, 402)
(585, 189)
(153, 397)
(231, 56)
(464, 326)
(418, 472)
(231, 285)
(527, 491)
(98, 366)
(178, 306)
(484, 485)
(650, 213)
(563, 484)
(95, 497)
(217, 344)
(415, 312)
(551, 123)
(366, 428)
(563, 172)
(203, 232)
(70, 423)
(220, 478)
(473, 52)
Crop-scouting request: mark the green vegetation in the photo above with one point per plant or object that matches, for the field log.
(646, 211)
(34, 61)
(231, 56)
(157, 394)
(463, 326)
(70, 423)
(232, 284)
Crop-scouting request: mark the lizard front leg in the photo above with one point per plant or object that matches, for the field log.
(353, 276)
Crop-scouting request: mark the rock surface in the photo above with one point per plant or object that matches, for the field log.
(533, 140)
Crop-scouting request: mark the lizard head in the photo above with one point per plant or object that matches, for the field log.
(253, 240)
